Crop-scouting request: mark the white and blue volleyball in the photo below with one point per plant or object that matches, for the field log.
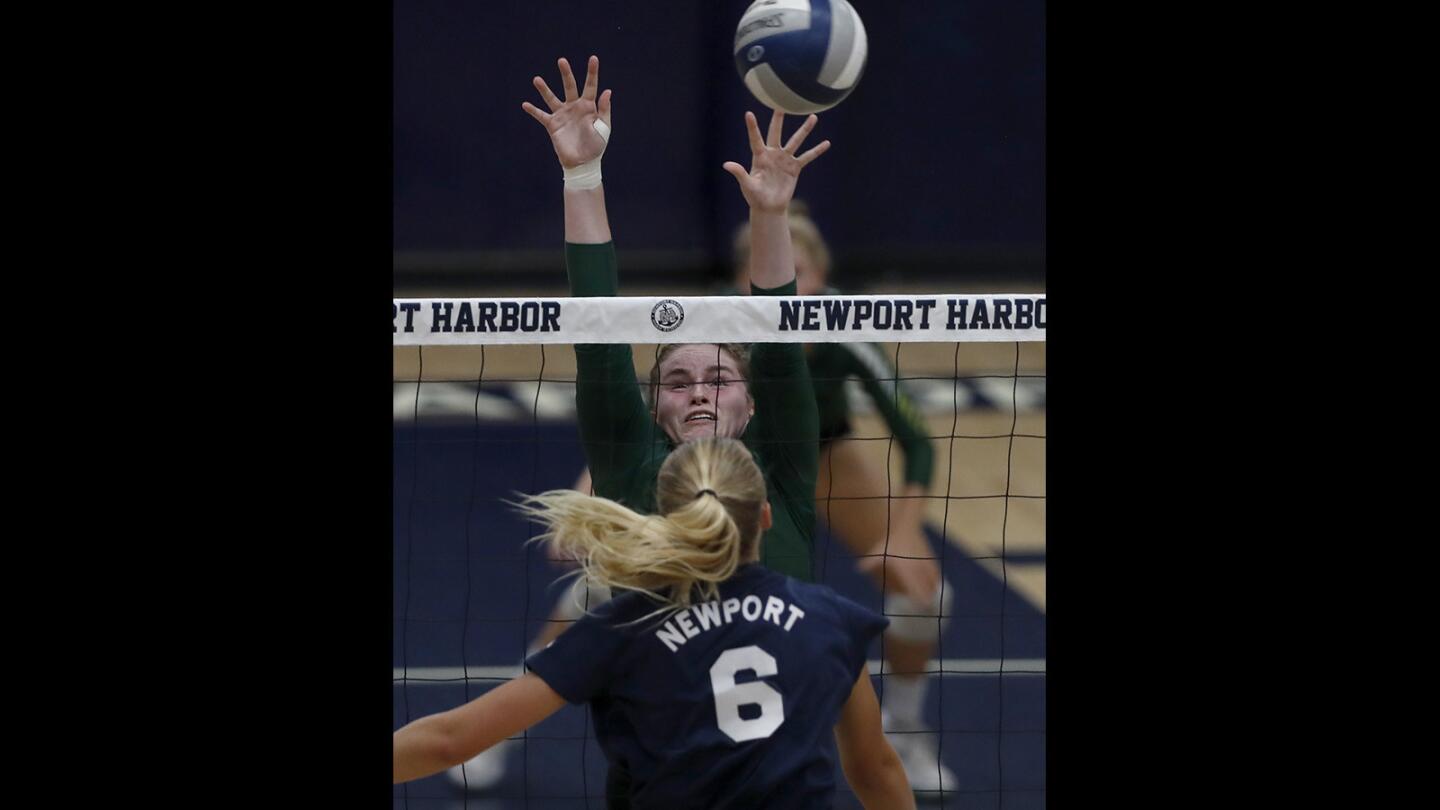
(800, 56)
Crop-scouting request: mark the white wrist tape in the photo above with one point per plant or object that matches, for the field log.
(587, 175)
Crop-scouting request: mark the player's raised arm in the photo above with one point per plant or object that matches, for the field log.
(768, 187)
(786, 425)
(614, 422)
(579, 127)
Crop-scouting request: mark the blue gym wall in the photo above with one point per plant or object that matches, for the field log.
(938, 166)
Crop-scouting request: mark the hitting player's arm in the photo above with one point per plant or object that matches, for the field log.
(871, 766)
(432, 744)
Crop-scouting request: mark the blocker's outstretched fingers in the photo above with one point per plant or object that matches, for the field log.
(567, 78)
(801, 134)
(752, 127)
(777, 123)
(604, 108)
(536, 113)
(545, 94)
(815, 151)
(592, 77)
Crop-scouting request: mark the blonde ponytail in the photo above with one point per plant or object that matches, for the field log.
(710, 495)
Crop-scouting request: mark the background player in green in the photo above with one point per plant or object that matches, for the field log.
(698, 390)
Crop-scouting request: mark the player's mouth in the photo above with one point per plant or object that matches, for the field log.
(700, 416)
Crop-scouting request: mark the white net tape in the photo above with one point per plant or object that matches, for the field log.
(941, 318)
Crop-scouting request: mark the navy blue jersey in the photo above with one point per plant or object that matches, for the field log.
(730, 703)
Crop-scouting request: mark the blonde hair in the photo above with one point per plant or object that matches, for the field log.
(710, 495)
(804, 234)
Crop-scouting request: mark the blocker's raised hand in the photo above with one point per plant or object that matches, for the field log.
(774, 169)
(571, 123)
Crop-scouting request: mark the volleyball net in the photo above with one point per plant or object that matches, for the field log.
(484, 407)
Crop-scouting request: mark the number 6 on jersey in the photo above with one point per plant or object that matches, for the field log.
(730, 696)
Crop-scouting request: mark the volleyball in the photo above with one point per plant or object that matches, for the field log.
(800, 56)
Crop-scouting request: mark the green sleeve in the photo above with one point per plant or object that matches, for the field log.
(786, 425)
(615, 426)
(877, 376)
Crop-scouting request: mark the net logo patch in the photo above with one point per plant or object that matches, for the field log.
(667, 315)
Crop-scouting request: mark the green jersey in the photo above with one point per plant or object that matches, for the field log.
(625, 447)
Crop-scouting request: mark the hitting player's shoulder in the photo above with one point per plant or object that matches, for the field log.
(825, 601)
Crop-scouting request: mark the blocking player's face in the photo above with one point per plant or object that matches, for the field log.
(702, 393)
